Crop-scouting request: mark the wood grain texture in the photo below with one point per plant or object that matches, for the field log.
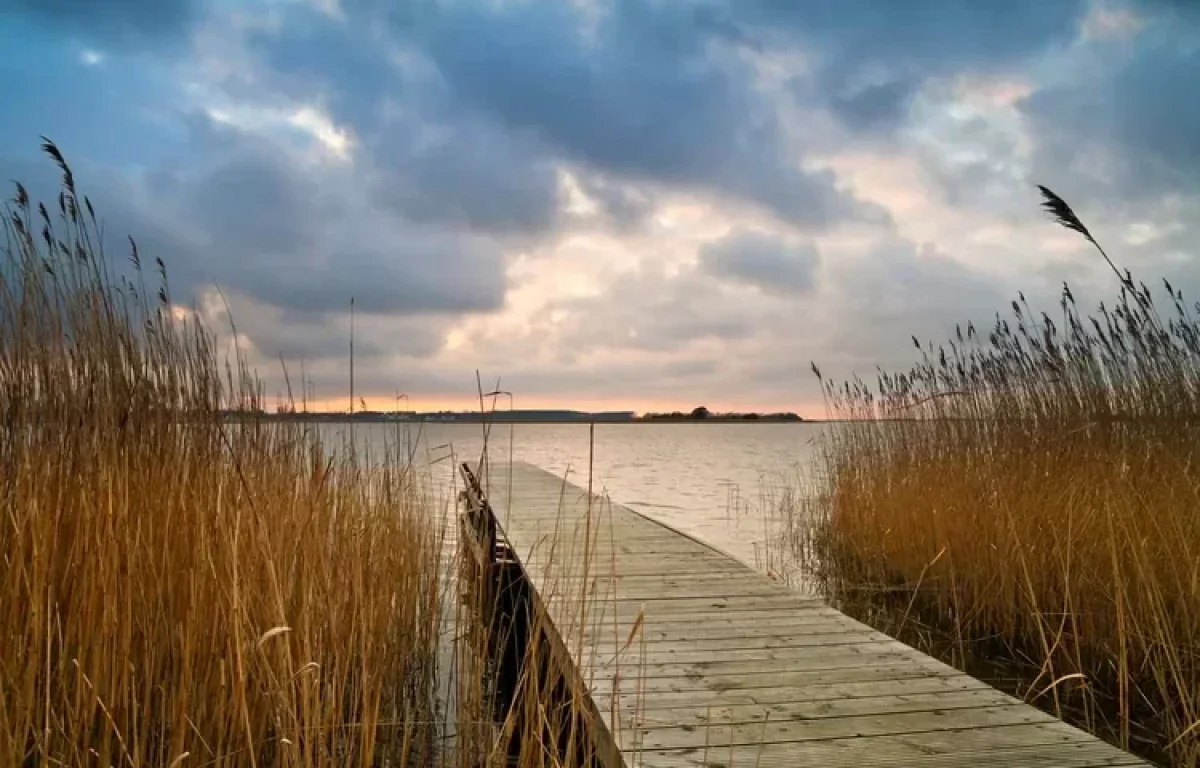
(694, 659)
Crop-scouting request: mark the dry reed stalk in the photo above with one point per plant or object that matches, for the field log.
(179, 586)
(183, 583)
(1061, 482)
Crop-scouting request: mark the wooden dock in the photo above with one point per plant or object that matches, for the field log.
(694, 659)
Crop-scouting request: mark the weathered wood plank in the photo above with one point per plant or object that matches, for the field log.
(629, 681)
(773, 657)
(703, 699)
(1031, 751)
(687, 704)
(694, 659)
(772, 731)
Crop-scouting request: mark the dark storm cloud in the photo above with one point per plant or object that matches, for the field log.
(871, 57)
(878, 108)
(304, 52)
(434, 160)
(648, 91)
(474, 176)
(763, 261)
(251, 199)
(248, 218)
(1139, 109)
(933, 35)
(419, 275)
(306, 239)
(298, 335)
(146, 23)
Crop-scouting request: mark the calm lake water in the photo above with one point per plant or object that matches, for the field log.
(716, 482)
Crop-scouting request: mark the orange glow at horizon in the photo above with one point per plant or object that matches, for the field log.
(434, 403)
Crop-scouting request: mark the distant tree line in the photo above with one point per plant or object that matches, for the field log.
(701, 413)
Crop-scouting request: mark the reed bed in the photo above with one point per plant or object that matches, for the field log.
(183, 584)
(178, 587)
(1023, 502)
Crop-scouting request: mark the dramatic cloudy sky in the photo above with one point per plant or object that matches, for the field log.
(613, 203)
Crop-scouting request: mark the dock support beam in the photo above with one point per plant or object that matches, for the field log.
(529, 683)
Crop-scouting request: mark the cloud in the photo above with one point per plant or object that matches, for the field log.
(657, 312)
(1125, 122)
(874, 107)
(866, 60)
(687, 199)
(645, 91)
(297, 335)
(474, 176)
(294, 235)
(935, 35)
(763, 261)
(624, 206)
(155, 24)
(304, 236)
(695, 336)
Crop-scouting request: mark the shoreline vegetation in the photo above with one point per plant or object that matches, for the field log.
(499, 416)
(178, 589)
(1022, 503)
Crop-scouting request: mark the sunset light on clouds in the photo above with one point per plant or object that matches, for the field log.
(613, 204)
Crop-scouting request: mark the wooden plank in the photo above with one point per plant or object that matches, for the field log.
(716, 623)
(677, 609)
(772, 731)
(692, 658)
(661, 631)
(700, 706)
(672, 591)
(813, 695)
(799, 681)
(839, 709)
(827, 657)
(706, 604)
(1033, 750)
(708, 647)
(772, 657)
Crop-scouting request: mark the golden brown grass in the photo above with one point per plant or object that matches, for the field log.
(179, 589)
(1028, 505)
(184, 584)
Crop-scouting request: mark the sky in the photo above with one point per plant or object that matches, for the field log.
(612, 204)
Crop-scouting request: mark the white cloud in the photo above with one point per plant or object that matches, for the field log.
(1110, 20)
(337, 141)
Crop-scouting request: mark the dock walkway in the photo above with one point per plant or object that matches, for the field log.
(693, 659)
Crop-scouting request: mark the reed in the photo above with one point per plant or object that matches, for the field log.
(1023, 502)
(184, 584)
(177, 587)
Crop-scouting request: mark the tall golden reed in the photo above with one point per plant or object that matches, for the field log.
(1026, 501)
(180, 588)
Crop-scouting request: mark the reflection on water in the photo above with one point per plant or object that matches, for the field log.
(716, 482)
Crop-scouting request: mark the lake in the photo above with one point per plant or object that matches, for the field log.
(716, 482)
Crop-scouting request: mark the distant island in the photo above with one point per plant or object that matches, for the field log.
(703, 414)
(543, 416)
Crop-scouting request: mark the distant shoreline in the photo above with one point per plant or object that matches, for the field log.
(502, 417)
